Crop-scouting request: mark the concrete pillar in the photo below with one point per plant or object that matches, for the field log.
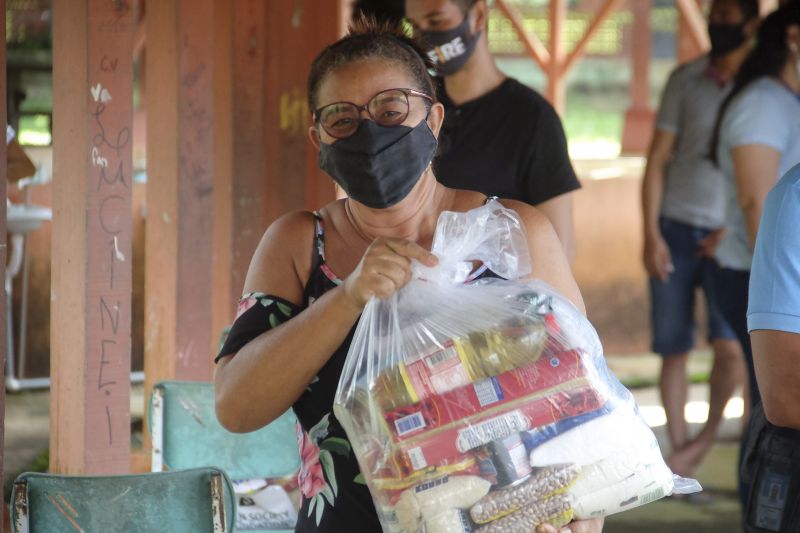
(91, 245)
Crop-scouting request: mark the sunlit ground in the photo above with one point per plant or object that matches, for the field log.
(695, 412)
(597, 148)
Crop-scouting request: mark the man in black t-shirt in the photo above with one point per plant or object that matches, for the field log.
(499, 136)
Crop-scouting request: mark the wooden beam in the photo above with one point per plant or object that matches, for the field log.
(640, 87)
(295, 33)
(228, 271)
(533, 46)
(243, 216)
(139, 38)
(556, 86)
(273, 168)
(695, 22)
(180, 186)
(319, 188)
(580, 47)
(767, 6)
(687, 47)
(3, 250)
(638, 126)
(91, 244)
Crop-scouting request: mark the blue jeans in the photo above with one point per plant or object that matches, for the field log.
(673, 301)
(732, 286)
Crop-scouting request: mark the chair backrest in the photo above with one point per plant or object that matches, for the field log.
(186, 434)
(199, 500)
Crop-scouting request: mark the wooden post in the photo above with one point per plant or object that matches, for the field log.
(693, 26)
(228, 273)
(249, 192)
(767, 6)
(638, 127)
(3, 248)
(180, 186)
(328, 21)
(91, 244)
(273, 168)
(556, 82)
(688, 45)
(295, 33)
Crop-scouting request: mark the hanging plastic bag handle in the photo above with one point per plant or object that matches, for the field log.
(491, 234)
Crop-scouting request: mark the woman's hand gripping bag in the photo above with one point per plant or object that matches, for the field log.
(452, 384)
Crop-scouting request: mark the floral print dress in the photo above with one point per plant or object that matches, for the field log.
(335, 497)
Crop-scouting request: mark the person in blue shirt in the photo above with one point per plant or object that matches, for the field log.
(773, 319)
(773, 315)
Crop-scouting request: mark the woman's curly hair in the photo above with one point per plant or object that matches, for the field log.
(366, 39)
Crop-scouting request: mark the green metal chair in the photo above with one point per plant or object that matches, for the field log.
(185, 433)
(199, 500)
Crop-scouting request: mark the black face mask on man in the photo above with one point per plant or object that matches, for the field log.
(451, 49)
(378, 165)
(725, 38)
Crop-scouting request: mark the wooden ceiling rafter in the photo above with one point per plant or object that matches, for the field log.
(695, 23)
(580, 47)
(555, 62)
(533, 45)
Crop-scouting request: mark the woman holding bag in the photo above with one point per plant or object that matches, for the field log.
(376, 121)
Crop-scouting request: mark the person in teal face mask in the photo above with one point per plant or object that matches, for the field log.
(376, 121)
(499, 137)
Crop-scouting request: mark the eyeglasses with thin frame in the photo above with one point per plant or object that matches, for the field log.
(387, 108)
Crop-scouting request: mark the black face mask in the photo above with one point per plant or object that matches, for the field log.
(725, 38)
(378, 166)
(451, 49)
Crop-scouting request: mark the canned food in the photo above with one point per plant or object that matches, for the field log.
(510, 460)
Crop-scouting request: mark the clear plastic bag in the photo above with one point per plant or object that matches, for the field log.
(452, 378)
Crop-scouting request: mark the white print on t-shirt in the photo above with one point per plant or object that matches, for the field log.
(447, 51)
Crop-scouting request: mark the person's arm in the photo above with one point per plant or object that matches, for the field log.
(755, 168)
(259, 382)
(548, 261)
(776, 355)
(558, 211)
(19, 164)
(271, 371)
(656, 255)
